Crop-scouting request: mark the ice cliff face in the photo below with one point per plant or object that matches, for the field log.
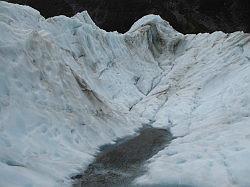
(67, 87)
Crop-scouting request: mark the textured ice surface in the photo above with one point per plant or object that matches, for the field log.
(67, 87)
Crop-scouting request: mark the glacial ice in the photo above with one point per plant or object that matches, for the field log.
(68, 87)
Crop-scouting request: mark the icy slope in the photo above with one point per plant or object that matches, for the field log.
(205, 101)
(67, 87)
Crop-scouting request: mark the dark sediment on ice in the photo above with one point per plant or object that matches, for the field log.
(120, 163)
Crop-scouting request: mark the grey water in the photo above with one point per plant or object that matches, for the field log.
(120, 163)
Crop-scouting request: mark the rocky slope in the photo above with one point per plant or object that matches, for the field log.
(187, 16)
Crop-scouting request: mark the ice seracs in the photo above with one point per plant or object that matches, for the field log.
(67, 87)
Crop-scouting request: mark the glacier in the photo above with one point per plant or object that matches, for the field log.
(67, 87)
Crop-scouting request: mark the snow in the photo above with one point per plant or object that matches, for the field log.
(68, 87)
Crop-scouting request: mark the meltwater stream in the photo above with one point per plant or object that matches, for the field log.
(120, 163)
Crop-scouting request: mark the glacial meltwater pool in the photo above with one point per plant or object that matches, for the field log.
(120, 163)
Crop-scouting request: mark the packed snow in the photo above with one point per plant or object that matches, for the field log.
(67, 87)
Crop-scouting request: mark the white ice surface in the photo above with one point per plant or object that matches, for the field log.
(67, 87)
(207, 107)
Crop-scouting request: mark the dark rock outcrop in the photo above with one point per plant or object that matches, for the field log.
(48, 8)
(186, 16)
